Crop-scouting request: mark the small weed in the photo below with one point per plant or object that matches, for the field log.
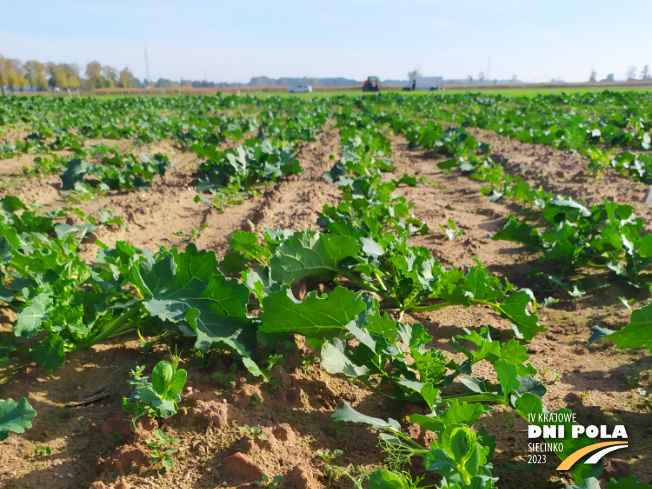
(509, 423)
(193, 234)
(452, 231)
(357, 475)
(254, 433)
(222, 198)
(634, 380)
(41, 451)
(309, 362)
(257, 401)
(201, 359)
(269, 484)
(546, 370)
(116, 436)
(160, 450)
(327, 456)
(227, 379)
(272, 361)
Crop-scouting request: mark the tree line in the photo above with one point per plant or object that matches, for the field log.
(630, 75)
(16, 75)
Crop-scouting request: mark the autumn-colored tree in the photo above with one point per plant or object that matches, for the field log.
(126, 77)
(94, 74)
(19, 70)
(110, 75)
(70, 75)
(11, 78)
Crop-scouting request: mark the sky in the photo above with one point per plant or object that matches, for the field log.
(235, 40)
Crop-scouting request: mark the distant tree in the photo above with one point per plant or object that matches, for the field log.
(645, 73)
(630, 74)
(415, 73)
(610, 77)
(495, 81)
(10, 75)
(481, 77)
(19, 80)
(94, 75)
(164, 83)
(594, 77)
(35, 74)
(125, 80)
(469, 78)
(514, 78)
(110, 76)
(70, 75)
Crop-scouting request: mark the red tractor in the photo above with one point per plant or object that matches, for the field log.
(371, 84)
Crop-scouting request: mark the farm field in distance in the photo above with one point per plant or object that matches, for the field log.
(344, 290)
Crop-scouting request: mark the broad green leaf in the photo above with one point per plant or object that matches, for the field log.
(314, 317)
(346, 413)
(49, 352)
(638, 333)
(335, 361)
(310, 254)
(30, 318)
(15, 416)
(384, 479)
(188, 287)
(628, 483)
(175, 386)
(161, 376)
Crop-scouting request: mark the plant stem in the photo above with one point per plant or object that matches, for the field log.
(113, 328)
(432, 307)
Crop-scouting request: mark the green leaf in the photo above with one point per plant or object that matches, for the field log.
(347, 414)
(29, 319)
(49, 352)
(519, 233)
(75, 171)
(384, 479)
(161, 376)
(598, 334)
(310, 254)
(455, 414)
(314, 317)
(6, 250)
(335, 361)
(628, 483)
(175, 386)
(460, 443)
(638, 333)
(15, 416)
(188, 287)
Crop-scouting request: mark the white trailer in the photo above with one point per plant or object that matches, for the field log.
(425, 83)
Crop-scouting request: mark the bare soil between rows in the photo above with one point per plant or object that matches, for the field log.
(598, 383)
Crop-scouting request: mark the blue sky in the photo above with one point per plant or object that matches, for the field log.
(235, 40)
